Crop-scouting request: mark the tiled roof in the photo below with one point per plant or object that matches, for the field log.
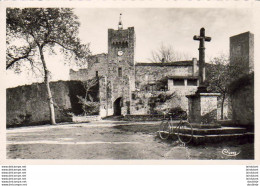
(182, 77)
(176, 63)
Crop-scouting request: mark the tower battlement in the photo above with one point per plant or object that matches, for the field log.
(121, 38)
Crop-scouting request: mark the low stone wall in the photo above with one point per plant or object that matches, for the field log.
(143, 117)
(86, 118)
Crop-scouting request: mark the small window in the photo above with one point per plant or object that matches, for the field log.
(133, 96)
(97, 61)
(120, 72)
(192, 82)
(96, 73)
(178, 82)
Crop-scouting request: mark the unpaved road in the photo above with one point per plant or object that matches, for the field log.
(110, 140)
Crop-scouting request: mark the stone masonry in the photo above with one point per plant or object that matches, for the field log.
(242, 52)
(121, 77)
(28, 104)
(242, 87)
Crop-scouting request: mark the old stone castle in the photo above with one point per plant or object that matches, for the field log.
(130, 87)
(126, 86)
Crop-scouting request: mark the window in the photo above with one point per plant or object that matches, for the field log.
(133, 96)
(120, 72)
(96, 73)
(192, 82)
(178, 82)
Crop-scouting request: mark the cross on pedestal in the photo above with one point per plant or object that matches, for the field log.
(202, 75)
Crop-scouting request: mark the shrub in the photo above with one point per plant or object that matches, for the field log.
(176, 113)
(89, 107)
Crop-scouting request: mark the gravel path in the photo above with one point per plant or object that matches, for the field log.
(110, 140)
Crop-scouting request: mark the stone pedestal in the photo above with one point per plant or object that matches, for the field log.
(203, 107)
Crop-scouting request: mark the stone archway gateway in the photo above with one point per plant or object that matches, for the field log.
(117, 106)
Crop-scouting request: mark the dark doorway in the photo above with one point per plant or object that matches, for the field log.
(117, 106)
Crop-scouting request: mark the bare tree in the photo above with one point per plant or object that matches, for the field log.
(220, 74)
(38, 30)
(166, 53)
(88, 102)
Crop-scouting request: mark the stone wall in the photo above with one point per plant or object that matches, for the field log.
(227, 109)
(97, 65)
(29, 104)
(242, 100)
(146, 73)
(203, 107)
(242, 52)
(141, 100)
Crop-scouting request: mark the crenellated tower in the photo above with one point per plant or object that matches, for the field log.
(121, 69)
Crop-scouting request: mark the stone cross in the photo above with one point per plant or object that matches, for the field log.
(202, 38)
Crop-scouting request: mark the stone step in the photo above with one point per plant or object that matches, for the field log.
(217, 131)
(198, 139)
(212, 131)
(217, 135)
(206, 126)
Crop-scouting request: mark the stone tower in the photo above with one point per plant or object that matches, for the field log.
(242, 52)
(121, 69)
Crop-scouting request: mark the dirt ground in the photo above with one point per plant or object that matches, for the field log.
(111, 140)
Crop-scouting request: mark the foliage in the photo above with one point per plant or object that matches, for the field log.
(161, 97)
(21, 119)
(89, 107)
(177, 113)
(157, 100)
(44, 28)
(220, 74)
(241, 82)
(166, 53)
(162, 84)
(31, 32)
(91, 87)
(90, 104)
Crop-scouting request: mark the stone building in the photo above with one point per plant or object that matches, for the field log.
(130, 87)
(126, 86)
(242, 52)
(242, 87)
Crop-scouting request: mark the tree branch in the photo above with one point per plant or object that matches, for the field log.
(25, 56)
(50, 41)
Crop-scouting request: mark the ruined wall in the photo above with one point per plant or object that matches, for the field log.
(242, 100)
(97, 65)
(29, 104)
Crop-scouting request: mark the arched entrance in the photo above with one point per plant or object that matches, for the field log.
(117, 106)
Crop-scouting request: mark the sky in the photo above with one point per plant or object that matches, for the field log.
(153, 27)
